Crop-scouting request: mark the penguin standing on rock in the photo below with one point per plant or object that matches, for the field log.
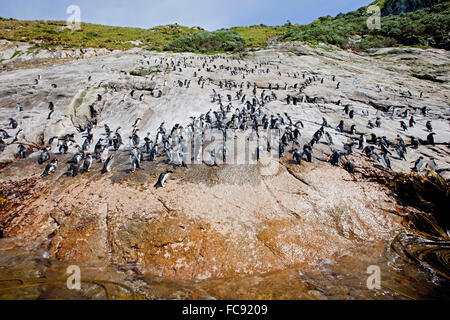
(350, 166)
(22, 151)
(87, 163)
(297, 157)
(12, 123)
(44, 156)
(135, 162)
(430, 138)
(50, 168)
(335, 158)
(162, 179)
(418, 164)
(107, 164)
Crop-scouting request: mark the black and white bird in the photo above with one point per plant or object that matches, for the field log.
(87, 162)
(107, 164)
(44, 156)
(50, 168)
(162, 179)
(418, 164)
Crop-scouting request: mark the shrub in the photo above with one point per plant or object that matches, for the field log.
(221, 40)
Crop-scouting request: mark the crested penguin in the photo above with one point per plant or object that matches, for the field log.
(107, 164)
(44, 156)
(335, 158)
(350, 166)
(87, 163)
(418, 164)
(23, 152)
(162, 179)
(50, 168)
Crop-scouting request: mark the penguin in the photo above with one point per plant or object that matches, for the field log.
(2, 145)
(22, 151)
(153, 153)
(12, 123)
(432, 164)
(412, 122)
(429, 126)
(162, 179)
(378, 123)
(401, 152)
(335, 158)
(368, 150)
(135, 162)
(349, 147)
(414, 143)
(19, 107)
(425, 111)
(418, 164)
(430, 138)
(307, 153)
(87, 163)
(44, 156)
(74, 168)
(4, 134)
(351, 114)
(50, 168)
(297, 157)
(137, 122)
(386, 161)
(362, 141)
(350, 166)
(403, 125)
(353, 129)
(340, 127)
(328, 138)
(107, 164)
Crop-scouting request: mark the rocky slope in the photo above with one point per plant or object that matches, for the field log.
(228, 231)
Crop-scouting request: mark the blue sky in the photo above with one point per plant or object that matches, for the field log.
(209, 14)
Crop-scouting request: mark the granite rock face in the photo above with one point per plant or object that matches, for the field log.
(227, 221)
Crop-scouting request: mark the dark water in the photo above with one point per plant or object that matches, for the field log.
(26, 274)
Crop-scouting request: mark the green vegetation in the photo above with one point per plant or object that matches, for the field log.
(425, 28)
(217, 41)
(15, 54)
(257, 36)
(49, 34)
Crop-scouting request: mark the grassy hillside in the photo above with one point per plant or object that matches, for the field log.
(426, 27)
(54, 33)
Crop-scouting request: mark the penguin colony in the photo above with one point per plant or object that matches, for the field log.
(238, 106)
